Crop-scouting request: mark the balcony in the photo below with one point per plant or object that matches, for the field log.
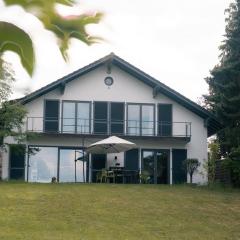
(103, 127)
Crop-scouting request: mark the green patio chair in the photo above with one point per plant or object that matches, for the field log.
(145, 177)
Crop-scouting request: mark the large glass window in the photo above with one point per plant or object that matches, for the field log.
(83, 117)
(42, 164)
(72, 166)
(140, 120)
(133, 120)
(147, 120)
(76, 117)
(68, 115)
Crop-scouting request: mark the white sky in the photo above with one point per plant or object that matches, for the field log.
(175, 41)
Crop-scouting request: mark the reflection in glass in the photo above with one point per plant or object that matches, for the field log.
(133, 120)
(43, 164)
(162, 167)
(147, 120)
(148, 165)
(83, 120)
(68, 116)
(67, 165)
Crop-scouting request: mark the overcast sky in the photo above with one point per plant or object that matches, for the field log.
(174, 41)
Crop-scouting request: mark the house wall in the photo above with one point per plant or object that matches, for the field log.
(126, 88)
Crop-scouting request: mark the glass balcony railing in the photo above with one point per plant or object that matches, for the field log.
(108, 127)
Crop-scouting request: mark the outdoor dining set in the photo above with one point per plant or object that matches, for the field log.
(117, 175)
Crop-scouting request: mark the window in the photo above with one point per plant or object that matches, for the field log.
(76, 117)
(140, 119)
(69, 116)
(147, 120)
(48, 162)
(83, 117)
(133, 119)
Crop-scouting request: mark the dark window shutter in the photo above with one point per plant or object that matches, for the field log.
(117, 118)
(165, 120)
(100, 117)
(131, 159)
(179, 174)
(51, 116)
(17, 161)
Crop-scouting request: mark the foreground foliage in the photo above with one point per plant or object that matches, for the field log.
(107, 211)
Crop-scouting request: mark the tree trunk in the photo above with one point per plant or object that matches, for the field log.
(191, 178)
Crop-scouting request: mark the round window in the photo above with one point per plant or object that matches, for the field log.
(108, 81)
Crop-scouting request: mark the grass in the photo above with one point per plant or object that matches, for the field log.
(107, 211)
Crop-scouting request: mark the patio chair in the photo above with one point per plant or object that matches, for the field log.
(110, 175)
(145, 177)
(105, 176)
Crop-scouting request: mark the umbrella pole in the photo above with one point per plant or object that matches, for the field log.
(75, 165)
(83, 160)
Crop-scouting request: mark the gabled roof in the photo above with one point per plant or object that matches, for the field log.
(212, 123)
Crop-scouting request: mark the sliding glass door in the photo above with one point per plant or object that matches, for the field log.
(72, 165)
(155, 166)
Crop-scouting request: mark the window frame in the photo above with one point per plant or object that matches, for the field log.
(140, 127)
(76, 117)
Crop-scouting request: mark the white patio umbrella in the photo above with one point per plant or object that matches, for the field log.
(110, 145)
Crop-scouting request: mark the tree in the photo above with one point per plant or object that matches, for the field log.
(224, 82)
(15, 39)
(224, 85)
(191, 165)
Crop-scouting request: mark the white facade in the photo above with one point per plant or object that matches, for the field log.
(128, 89)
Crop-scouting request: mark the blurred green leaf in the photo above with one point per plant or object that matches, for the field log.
(12, 38)
(26, 4)
(64, 27)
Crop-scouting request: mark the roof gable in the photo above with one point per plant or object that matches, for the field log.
(158, 87)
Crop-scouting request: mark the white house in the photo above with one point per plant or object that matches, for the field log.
(109, 97)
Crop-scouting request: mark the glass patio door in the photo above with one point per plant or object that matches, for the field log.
(155, 166)
(71, 170)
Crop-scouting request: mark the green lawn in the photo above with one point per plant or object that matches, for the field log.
(102, 211)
